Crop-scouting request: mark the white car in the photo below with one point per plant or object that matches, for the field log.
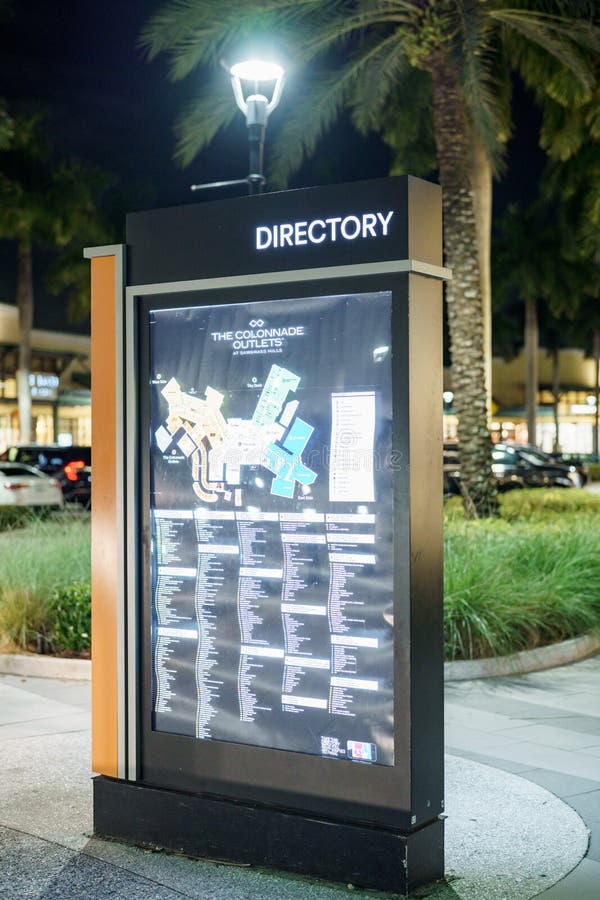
(22, 485)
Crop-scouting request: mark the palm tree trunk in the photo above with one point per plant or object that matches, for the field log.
(463, 293)
(531, 368)
(556, 397)
(25, 307)
(481, 182)
(596, 391)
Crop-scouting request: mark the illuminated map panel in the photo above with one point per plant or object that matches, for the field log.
(272, 525)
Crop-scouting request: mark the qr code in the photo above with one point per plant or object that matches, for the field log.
(331, 746)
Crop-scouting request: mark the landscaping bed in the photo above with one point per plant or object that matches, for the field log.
(45, 583)
(524, 580)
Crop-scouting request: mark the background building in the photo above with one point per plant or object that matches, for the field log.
(60, 384)
(576, 401)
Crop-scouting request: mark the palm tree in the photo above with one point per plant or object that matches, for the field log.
(41, 201)
(532, 262)
(571, 136)
(365, 47)
(572, 140)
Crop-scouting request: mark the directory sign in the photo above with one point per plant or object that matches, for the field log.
(271, 518)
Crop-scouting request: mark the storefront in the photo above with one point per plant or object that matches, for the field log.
(575, 412)
(576, 422)
(59, 381)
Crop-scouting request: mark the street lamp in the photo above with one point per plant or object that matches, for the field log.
(249, 80)
(257, 87)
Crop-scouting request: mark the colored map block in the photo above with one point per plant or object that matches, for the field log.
(287, 468)
(303, 474)
(279, 383)
(279, 462)
(282, 488)
(298, 437)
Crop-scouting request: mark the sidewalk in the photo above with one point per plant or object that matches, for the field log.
(545, 727)
(506, 836)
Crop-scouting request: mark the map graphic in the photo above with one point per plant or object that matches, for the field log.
(274, 438)
(271, 560)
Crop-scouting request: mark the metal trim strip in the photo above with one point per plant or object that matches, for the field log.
(130, 457)
(106, 250)
(118, 252)
(283, 277)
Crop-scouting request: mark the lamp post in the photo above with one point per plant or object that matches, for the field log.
(257, 87)
(249, 80)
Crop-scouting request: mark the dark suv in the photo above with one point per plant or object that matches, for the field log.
(535, 467)
(515, 466)
(71, 466)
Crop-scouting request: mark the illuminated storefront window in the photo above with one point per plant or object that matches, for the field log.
(75, 421)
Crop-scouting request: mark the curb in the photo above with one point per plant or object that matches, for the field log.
(573, 650)
(30, 665)
(33, 666)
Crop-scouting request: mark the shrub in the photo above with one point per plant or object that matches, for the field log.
(22, 617)
(541, 503)
(594, 471)
(35, 561)
(517, 584)
(534, 504)
(19, 516)
(69, 618)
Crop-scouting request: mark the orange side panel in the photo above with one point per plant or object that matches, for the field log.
(104, 519)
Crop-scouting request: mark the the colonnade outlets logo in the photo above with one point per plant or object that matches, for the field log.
(258, 336)
(336, 228)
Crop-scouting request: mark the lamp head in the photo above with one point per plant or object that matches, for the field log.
(256, 70)
(257, 82)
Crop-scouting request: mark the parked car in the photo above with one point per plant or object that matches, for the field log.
(536, 468)
(71, 466)
(22, 485)
(577, 467)
(515, 466)
(508, 476)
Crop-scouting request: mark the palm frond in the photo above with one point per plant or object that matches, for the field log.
(323, 98)
(544, 75)
(563, 131)
(193, 32)
(339, 24)
(583, 33)
(576, 183)
(406, 124)
(562, 38)
(381, 72)
(180, 23)
(484, 88)
(209, 112)
(592, 118)
(566, 90)
(11, 206)
(7, 127)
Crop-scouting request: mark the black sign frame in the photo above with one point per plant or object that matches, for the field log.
(319, 785)
(171, 252)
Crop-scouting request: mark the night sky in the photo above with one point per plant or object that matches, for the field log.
(109, 107)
